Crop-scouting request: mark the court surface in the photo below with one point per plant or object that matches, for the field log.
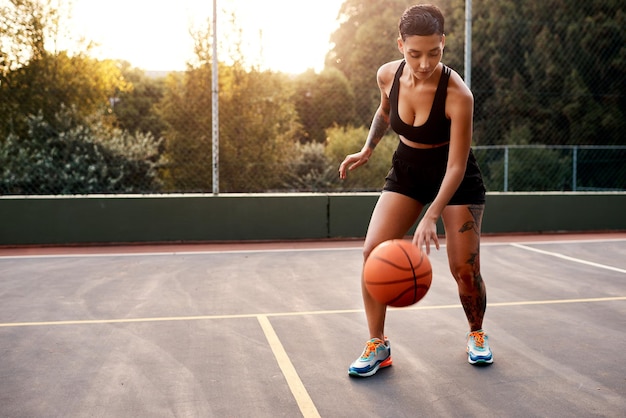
(269, 329)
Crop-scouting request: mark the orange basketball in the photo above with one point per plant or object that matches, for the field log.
(397, 273)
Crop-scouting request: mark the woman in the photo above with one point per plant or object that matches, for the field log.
(431, 109)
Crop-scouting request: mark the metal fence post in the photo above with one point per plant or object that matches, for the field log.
(215, 101)
(574, 167)
(506, 168)
(468, 43)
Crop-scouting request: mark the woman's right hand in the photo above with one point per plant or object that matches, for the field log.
(353, 161)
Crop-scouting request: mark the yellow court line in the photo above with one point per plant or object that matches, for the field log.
(305, 403)
(557, 301)
(520, 303)
(125, 320)
(302, 313)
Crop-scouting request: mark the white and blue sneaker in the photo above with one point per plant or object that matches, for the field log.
(377, 354)
(478, 351)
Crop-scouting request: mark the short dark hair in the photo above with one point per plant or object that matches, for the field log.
(421, 20)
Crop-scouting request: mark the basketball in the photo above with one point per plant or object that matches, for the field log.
(397, 273)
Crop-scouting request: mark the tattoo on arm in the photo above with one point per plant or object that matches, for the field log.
(380, 124)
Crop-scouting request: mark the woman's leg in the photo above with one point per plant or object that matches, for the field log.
(393, 215)
(462, 224)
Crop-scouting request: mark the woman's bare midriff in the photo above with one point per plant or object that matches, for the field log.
(419, 145)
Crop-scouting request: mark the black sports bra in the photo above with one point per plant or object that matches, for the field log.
(436, 130)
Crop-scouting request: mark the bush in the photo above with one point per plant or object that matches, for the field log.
(69, 156)
(369, 177)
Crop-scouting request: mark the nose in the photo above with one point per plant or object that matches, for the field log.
(423, 63)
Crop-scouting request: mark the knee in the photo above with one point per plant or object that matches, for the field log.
(466, 275)
(367, 250)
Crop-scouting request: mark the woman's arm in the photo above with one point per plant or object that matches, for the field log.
(380, 122)
(460, 110)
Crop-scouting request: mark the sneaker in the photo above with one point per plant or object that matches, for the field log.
(478, 351)
(377, 354)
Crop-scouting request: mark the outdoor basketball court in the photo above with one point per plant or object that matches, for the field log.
(267, 330)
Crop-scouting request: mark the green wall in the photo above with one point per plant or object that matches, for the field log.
(102, 219)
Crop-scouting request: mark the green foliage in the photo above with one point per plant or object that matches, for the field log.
(52, 81)
(601, 169)
(186, 111)
(544, 72)
(135, 108)
(35, 80)
(315, 166)
(550, 170)
(258, 127)
(528, 169)
(24, 26)
(365, 39)
(369, 177)
(258, 124)
(322, 100)
(560, 64)
(310, 170)
(72, 156)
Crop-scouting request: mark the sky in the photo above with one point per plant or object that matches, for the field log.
(154, 35)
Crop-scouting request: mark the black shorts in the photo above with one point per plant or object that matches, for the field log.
(418, 173)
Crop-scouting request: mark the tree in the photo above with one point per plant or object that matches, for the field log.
(34, 80)
(186, 111)
(24, 27)
(258, 125)
(70, 155)
(259, 129)
(45, 84)
(135, 108)
(365, 39)
(55, 132)
(322, 100)
(347, 140)
(553, 62)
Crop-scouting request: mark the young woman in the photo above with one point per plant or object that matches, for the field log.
(431, 109)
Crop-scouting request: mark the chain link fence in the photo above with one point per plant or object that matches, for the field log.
(548, 76)
(527, 168)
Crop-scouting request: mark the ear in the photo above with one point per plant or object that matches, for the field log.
(443, 41)
(400, 45)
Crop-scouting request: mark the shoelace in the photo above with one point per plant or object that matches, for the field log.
(371, 347)
(479, 338)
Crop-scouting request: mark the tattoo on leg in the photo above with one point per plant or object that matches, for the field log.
(473, 261)
(475, 304)
(472, 293)
(470, 309)
(474, 225)
(467, 226)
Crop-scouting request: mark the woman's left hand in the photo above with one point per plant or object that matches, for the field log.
(426, 233)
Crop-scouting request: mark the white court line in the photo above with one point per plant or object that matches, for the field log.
(273, 250)
(181, 253)
(305, 403)
(558, 241)
(565, 257)
(303, 313)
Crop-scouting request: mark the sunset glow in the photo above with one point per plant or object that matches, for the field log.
(283, 35)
